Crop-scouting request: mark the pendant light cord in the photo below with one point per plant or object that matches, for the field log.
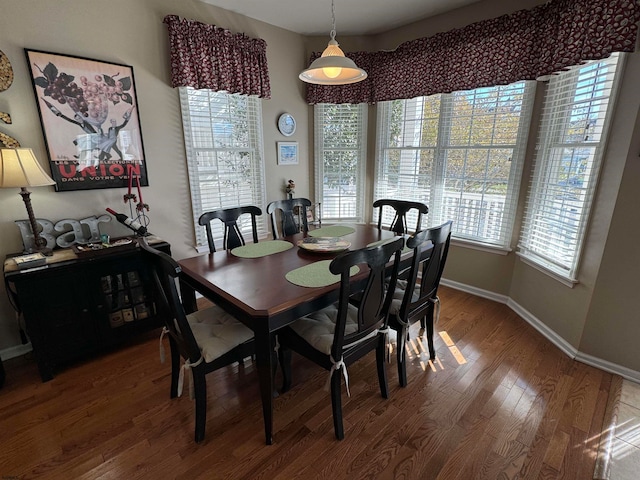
(333, 21)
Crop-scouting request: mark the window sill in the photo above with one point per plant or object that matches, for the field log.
(480, 246)
(567, 281)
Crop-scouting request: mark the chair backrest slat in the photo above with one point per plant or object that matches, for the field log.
(285, 209)
(430, 247)
(401, 208)
(376, 297)
(229, 216)
(165, 271)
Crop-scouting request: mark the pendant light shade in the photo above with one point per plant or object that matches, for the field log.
(333, 68)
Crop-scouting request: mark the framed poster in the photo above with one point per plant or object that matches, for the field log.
(89, 114)
(287, 153)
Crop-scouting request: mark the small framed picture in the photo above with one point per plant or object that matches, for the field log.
(287, 153)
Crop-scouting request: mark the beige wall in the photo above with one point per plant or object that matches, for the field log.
(132, 33)
(598, 317)
(612, 326)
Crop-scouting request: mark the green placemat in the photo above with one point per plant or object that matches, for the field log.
(332, 231)
(262, 249)
(316, 274)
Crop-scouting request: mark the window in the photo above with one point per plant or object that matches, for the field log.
(340, 159)
(568, 157)
(461, 154)
(223, 138)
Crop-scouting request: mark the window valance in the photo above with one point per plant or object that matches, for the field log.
(521, 46)
(206, 56)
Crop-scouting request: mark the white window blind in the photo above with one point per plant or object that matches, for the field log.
(340, 160)
(461, 154)
(568, 157)
(223, 138)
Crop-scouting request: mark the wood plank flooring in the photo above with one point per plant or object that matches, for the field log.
(515, 408)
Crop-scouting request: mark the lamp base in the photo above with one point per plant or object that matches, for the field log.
(39, 242)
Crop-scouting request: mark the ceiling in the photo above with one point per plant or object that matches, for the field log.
(353, 17)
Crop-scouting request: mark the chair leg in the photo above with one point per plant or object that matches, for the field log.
(432, 350)
(175, 367)
(402, 356)
(284, 356)
(381, 361)
(336, 403)
(274, 369)
(423, 326)
(200, 392)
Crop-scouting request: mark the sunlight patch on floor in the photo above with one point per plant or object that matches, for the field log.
(417, 349)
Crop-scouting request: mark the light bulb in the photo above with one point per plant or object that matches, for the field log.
(332, 72)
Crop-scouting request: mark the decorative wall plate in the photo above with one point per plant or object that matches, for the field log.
(6, 72)
(286, 124)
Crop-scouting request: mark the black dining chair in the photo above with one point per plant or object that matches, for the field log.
(340, 334)
(416, 292)
(206, 340)
(283, 216)
(401, 208)
(229, 216)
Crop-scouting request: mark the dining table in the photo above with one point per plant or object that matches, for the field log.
(255, 283)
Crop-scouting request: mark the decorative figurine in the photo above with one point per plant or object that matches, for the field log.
(291, 188)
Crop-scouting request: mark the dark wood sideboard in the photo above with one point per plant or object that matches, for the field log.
(82, 303)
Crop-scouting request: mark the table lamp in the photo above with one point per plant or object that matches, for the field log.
(19, 168)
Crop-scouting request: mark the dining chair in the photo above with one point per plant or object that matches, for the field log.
(284, 213)
(338, 335)
(400, 208)
(416, 292)
(206, 340)
(229, 216)
(314, 215)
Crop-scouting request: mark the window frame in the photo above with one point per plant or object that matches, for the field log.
(441, 146)
(203, 143)
(321, 148)
(554, 128)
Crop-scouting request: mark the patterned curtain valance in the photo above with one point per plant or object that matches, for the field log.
(521, 46)
(205, 56)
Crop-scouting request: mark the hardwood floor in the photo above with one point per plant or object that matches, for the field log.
(518, 408)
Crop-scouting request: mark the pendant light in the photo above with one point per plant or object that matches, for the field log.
(333, 68)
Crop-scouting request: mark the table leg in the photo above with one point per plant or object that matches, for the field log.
(188, 295)
(264, 361)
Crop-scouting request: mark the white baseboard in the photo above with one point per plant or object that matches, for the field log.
(610, 367)
(546, 332)
(549, 334)
(475, 291)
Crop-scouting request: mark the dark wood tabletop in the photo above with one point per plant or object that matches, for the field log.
(256, 291)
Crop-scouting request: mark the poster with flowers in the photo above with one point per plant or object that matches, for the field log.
(89, 114)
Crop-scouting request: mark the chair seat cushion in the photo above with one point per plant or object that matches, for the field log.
(317, 328)
(398, 295)
(217, 332)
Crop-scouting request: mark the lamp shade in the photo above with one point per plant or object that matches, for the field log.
(333, 68)
(20, 168)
